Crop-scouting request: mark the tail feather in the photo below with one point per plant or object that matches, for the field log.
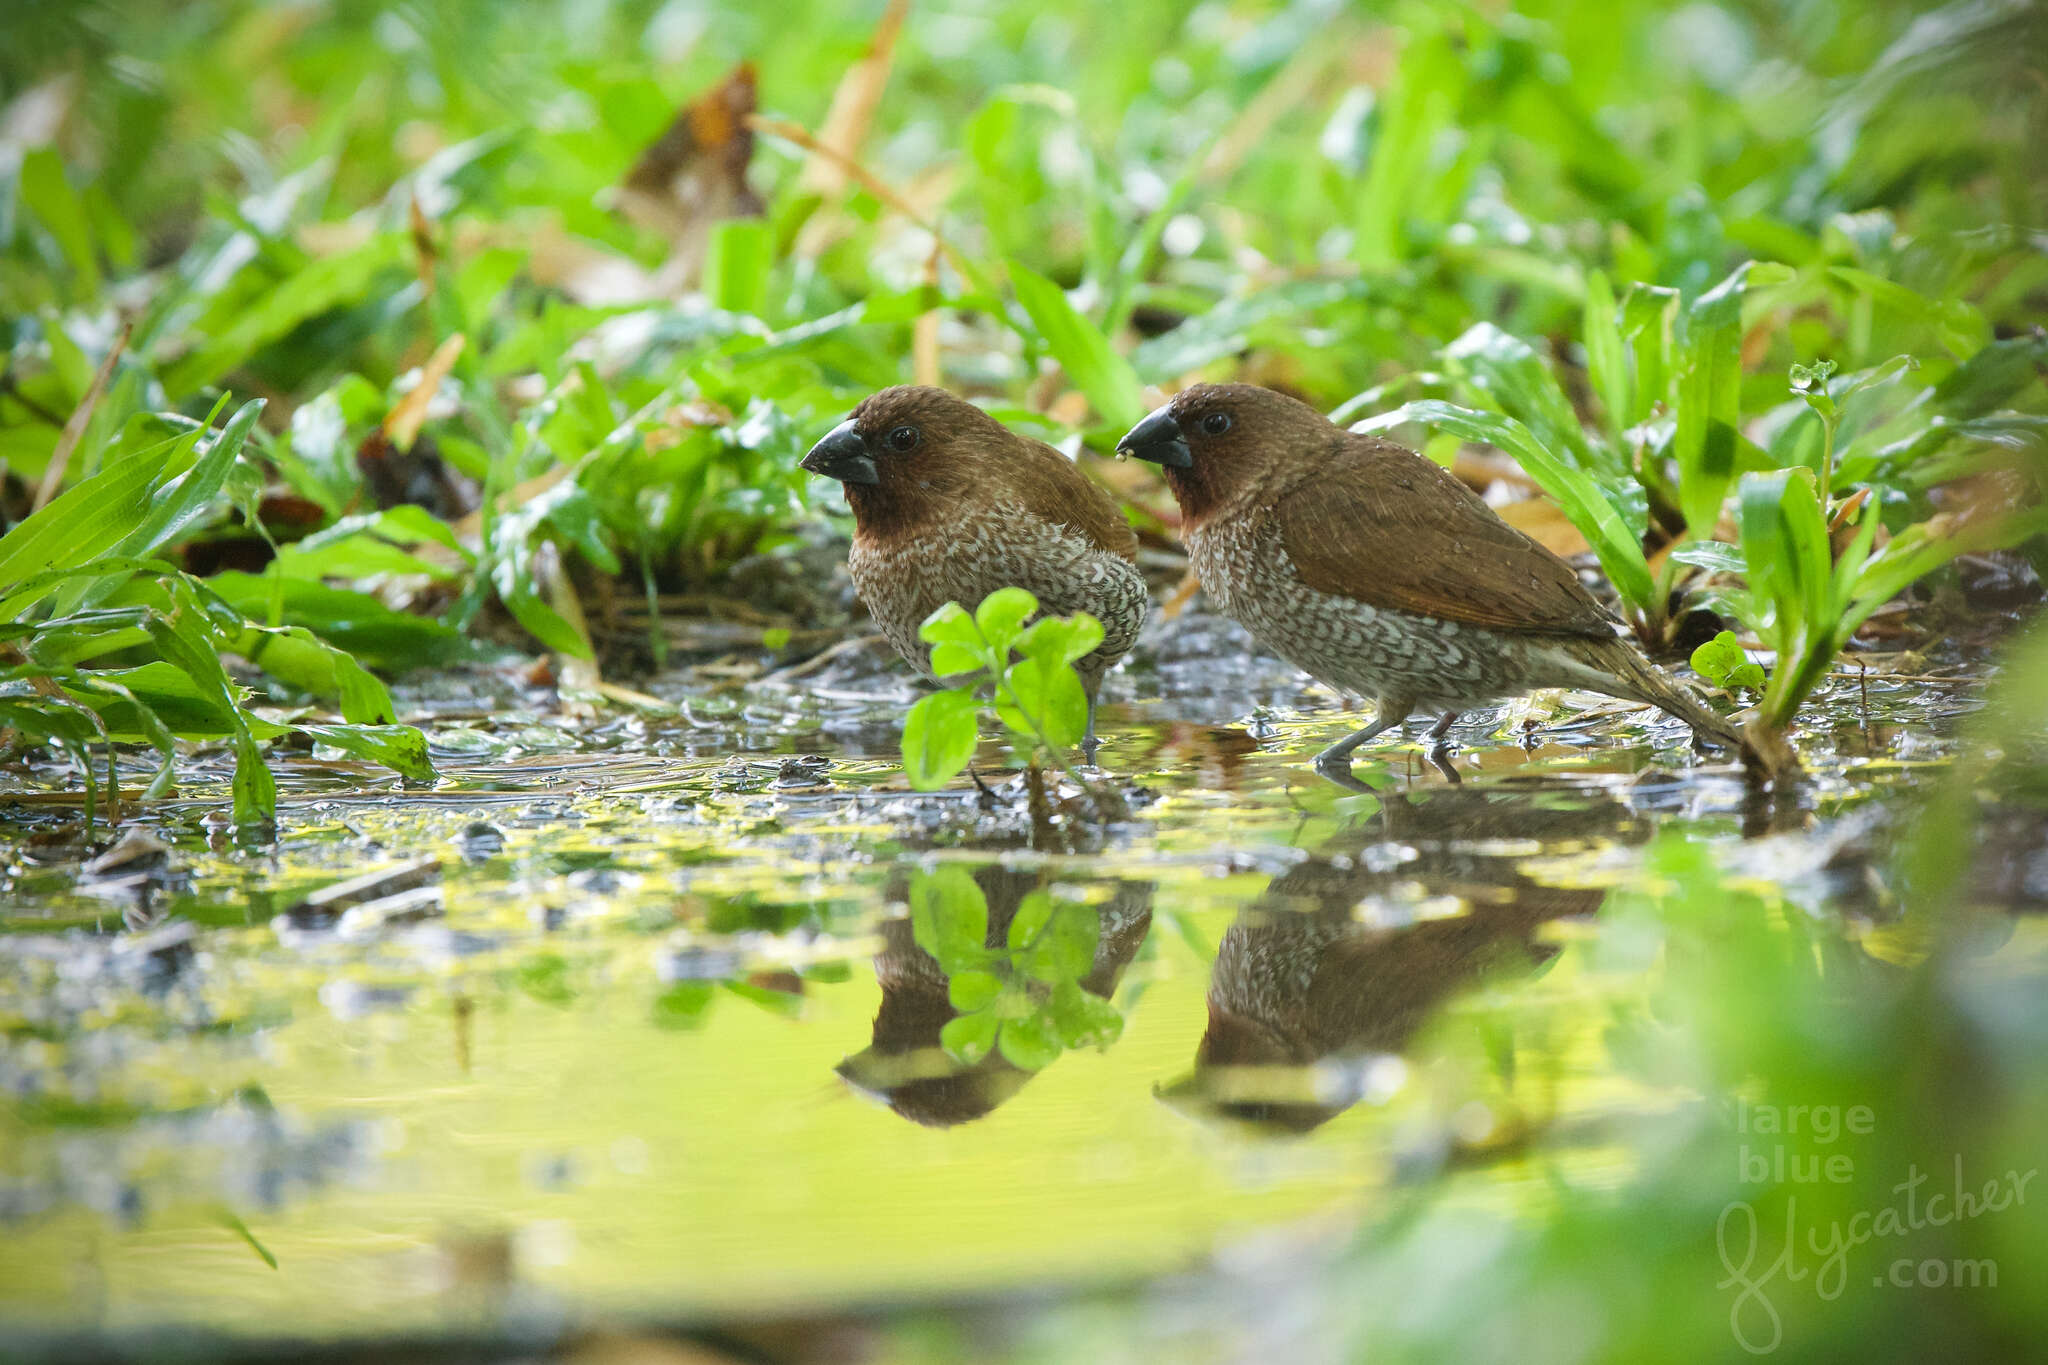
(1628, 674)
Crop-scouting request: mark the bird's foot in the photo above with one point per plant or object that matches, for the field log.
(1337, 768)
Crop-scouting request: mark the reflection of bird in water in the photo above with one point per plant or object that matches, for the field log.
(1303, 992)
(905, 1066)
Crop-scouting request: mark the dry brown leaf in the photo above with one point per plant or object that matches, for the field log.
(424, 250)
(1544, 522)
(695, 174)
(400, 466)
(409, 414)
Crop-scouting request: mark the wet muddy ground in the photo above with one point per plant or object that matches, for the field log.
(638, 1017)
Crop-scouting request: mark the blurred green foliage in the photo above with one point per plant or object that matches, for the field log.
(1549, 217)
(1594, 237)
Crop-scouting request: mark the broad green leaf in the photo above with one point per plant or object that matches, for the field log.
(1227, 329)
(1709, 400)
(971, 991)
(1414, 112)
(970, 1037)
(1875, 376)
(1647, 314)
(939, 734)
(949, 918)
(1518, 381)
(1081, 1018)
(951, 624)
(355, 622)
(1722, 662)
(185, 642)
(1030, 1043)
(324, 283)
(1065, 951)
(1041, 699)
(951, 661)
(1097, 368)
(187, 499)
(1716, 556)
(1606, 356)
(81, 524)
(1034, 912)
(400, 748)
(1991, 377)
(1000, 618)
(1784, 539)
(295, 656)
(1061, 639)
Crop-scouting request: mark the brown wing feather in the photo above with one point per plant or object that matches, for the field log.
(1049, 485)
(1381, 524)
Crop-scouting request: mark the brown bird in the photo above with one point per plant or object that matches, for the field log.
(949, 505)
(1373, 569)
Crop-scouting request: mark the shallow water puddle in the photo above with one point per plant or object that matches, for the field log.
(661, 1034)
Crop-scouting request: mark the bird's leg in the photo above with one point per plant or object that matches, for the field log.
(1440, 748)
(1336, 759)
(1091, 687)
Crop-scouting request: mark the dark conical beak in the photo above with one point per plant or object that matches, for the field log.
(842, 455)
(1158, 439)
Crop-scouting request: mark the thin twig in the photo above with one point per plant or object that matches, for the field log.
(868, 180)
(81, 417)
(818, 660)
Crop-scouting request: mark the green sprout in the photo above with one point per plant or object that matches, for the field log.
(1025, 671)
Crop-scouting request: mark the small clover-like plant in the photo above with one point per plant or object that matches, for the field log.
(1024, 999)
(1026, 672)
(1723, 662)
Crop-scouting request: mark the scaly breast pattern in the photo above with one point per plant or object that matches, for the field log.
(904, 580)
(1372, 651)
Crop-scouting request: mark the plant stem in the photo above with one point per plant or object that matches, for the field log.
(1827, 458)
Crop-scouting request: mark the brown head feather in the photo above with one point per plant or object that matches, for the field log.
(960, 453)
(1368, 519)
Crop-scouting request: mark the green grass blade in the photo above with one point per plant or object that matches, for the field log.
(1097, 368)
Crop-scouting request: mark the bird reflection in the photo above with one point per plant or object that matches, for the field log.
(905, 1064)
(1332, 967)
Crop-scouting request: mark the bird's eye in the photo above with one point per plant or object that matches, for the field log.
(1216, 423)
(903, 438)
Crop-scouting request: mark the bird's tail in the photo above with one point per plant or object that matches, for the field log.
(1632, 676)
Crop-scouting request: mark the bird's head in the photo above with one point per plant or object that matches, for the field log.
(1215, 442)
(909, 453)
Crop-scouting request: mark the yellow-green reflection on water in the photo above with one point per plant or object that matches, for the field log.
(608, 1079)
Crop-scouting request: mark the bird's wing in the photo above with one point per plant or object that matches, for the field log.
(1382, 525)
(1052, 487)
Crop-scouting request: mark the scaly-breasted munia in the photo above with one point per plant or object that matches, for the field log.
(1373, 569)
(949, 505)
